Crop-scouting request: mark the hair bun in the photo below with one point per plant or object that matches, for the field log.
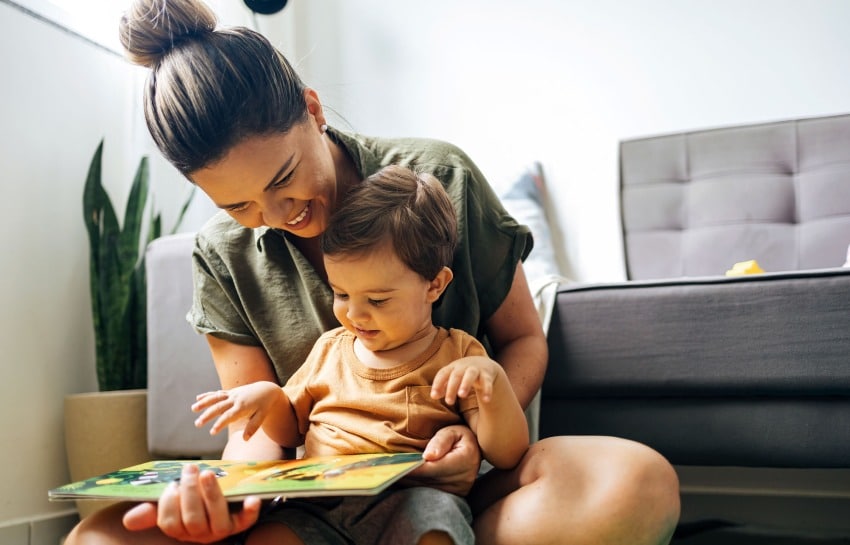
(150, 28)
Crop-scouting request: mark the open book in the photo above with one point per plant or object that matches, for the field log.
(344, 475)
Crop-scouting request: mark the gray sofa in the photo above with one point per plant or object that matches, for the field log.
(742, 375)
(715, 371)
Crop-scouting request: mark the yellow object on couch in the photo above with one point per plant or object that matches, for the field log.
(745, 267)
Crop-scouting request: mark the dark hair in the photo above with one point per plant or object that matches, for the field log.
(411, 210)
(208, 88)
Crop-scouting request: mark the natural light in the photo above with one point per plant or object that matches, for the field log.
(96, 20)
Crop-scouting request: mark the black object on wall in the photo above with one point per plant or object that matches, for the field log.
(265, 7)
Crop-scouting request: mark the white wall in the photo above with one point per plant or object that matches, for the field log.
(60, 96)
(563, 81)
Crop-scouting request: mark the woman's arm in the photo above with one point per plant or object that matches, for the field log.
(517, 337)
(237, 365)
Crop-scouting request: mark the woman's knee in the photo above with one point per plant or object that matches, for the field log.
(610, 473)
(626, 483)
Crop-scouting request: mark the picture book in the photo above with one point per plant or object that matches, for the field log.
(344, 475)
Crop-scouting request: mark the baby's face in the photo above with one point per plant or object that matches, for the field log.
(379, 299)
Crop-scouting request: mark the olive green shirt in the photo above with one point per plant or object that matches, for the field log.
(254, 287)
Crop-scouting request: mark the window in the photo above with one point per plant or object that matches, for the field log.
(94, 20)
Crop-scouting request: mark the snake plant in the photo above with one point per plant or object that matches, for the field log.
(117, 276)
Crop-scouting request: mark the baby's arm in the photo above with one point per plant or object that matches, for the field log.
(260, 403)
(499, 423)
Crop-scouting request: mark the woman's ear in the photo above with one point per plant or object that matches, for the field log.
(439, 284)
(314, 106)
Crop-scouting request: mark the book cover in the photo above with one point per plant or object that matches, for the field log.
(344, 475)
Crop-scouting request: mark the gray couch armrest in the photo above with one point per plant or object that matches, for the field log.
(179, 362)
(747, 371)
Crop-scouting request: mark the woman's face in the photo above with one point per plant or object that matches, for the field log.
(285, 181)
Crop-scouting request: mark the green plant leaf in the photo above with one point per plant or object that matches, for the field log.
(117, 283)
(184, 208)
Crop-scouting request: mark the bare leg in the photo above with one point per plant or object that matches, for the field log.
(273, 532)
(579, 490)
(435, 538)
(106, 528)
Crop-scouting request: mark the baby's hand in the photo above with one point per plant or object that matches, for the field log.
(251, 402)
(461, 377)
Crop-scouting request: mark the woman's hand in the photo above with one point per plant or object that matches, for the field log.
(451, 463)
(194, 510)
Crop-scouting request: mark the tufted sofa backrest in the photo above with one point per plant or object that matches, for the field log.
(695, 203)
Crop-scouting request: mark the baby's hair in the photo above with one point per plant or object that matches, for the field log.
(410, 210)
(209, 88)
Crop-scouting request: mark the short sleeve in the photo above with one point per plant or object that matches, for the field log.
(490, 245)
(215, 308)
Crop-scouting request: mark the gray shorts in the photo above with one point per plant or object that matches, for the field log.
(398, 516)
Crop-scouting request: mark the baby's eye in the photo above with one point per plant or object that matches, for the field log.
(377, 302)
(341, 296)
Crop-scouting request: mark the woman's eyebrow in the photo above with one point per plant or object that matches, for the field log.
(268, 186)
(283, 168)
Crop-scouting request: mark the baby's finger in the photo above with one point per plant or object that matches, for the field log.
(468, 381)
(484, 387)
(252, 425)
(207, 399)
(206, 395)
(452, 386)
(438, 387)
(210, 413)
(231, 415)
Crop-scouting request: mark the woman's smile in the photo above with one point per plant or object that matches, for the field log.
(294, 224)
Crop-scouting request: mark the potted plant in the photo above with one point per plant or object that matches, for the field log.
(107, 430)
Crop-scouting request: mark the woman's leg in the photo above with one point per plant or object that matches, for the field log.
(435, 538)
(106, 528)
(273, 533)
(579, 490)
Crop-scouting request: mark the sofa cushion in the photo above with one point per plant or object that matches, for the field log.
(694, 203)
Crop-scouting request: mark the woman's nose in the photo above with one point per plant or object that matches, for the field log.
(274, 214)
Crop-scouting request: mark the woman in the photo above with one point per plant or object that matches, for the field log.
(230, 113)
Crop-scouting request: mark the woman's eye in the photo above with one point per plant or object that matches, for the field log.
(237, 208)
(283, 181)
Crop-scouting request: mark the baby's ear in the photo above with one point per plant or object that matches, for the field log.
(439, 284)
